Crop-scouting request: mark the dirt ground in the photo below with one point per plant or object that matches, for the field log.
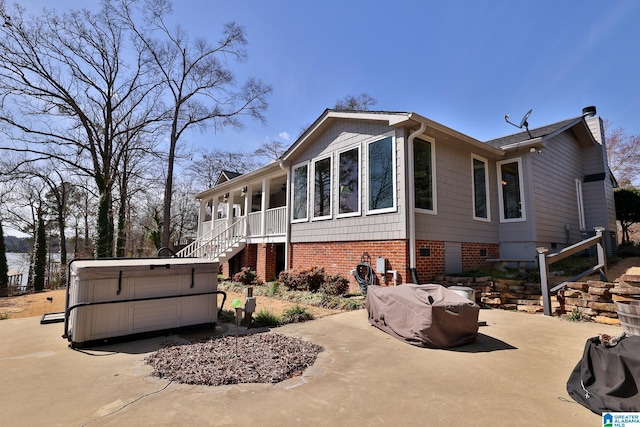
(54, 301)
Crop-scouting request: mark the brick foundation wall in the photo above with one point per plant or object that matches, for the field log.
(474, 257)
(265, 262)
(429, 259)
(342, 257)
(246, 257)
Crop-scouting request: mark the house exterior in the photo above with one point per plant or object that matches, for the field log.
(411, 196)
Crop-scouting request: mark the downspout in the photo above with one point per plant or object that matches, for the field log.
(410, 196)
(288, 217)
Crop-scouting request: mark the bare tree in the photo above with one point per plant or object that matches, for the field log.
(205, 170)
(360, 102)
(270, 151)
(623, 152)
(200, 85)
(69, 95)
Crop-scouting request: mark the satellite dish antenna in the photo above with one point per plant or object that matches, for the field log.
(523, 122)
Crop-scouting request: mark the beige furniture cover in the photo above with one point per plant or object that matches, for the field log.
(423, 315)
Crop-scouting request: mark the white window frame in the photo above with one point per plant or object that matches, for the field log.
(293, 190)
(394, 206)
(580, 198)
(434, 190)
(486, 187)
(523, 209)
(312, 183)
(359, 173)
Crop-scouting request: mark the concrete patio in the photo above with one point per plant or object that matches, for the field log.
(514, 374)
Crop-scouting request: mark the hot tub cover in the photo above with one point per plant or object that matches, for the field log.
(423, 315)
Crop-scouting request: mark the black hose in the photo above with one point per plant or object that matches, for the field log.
(367, 279)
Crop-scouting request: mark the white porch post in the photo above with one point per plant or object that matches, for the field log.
(247, 209)
(229, 210)
(264, 203)
(214, 212)
(201, 215)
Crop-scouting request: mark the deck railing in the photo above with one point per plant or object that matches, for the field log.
(220, 237)
(212, 246)
(545, 261)
(275, 222)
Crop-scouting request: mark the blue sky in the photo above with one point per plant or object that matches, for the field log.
(464, 64)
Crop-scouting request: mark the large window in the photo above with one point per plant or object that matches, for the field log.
(322, 188)
(300, 190)
(511, 197)
(480, 188)
(423, 175)
(381, 175)
(349, 182)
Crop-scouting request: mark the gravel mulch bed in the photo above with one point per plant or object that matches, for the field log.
(260, 358)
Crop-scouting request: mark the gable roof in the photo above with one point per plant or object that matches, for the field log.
(537, 134)
(225, 176)
(393, 118)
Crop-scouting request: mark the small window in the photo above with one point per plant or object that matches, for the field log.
(381, 175)
(322, 188)
(349, 182)
(424, 190)
(480, 193)
(511, 191)
(581, 221)
(300, 192)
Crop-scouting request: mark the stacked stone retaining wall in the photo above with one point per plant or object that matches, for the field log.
(593, 300)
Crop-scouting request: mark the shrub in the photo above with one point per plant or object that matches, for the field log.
(265, 318)
(292, 280)
(227, 316)
(313, 280)
(628, 249)
(296, 314)
(335, 284)
(302, 280)
(575, 315)
(274, 287)
(246, 276)
(351, 304)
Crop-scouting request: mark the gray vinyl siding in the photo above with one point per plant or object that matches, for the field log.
(454, 220)
(340, 135)
(554, 172)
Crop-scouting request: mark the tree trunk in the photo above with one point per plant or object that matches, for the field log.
(4, 267)
(39, 256)
(63, 251)
(104, 240)
(168, 191)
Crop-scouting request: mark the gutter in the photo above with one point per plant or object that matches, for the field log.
(287, 212)
(410, 196)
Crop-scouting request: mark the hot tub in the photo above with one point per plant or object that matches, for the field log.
(120, 299)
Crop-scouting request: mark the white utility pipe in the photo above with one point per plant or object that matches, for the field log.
(411, 195)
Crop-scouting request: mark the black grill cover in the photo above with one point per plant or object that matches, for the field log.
(423, 315)
(607, 378)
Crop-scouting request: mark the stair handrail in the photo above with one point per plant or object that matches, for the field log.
(212, 247)
(544, 261)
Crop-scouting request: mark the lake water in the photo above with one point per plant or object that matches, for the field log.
(19, 262)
